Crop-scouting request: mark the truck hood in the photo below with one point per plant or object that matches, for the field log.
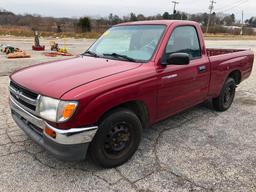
(54, 79)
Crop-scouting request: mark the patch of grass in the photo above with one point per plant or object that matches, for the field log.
(26, 32)
(222, 36)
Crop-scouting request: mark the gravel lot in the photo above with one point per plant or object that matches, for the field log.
(197, 150)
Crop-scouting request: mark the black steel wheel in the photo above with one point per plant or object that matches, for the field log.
(226, 97)
(117, 139)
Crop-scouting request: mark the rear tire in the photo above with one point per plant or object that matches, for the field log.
(224, 101)
(117, 138)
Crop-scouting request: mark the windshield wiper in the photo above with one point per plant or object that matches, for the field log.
(116, 55)
(90, 53)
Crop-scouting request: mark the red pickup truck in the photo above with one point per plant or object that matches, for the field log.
(136, 74)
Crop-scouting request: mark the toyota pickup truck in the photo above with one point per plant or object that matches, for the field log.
(135, 75)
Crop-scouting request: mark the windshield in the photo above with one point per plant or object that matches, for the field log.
(133, 43)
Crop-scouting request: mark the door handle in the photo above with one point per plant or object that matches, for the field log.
(201, 68)
(170, 76)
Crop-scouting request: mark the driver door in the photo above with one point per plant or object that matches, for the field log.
(183, 86)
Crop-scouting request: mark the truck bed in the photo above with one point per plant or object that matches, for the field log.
(214, 52)
(224, 61)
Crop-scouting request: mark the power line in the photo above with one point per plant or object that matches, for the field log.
(211, 7)
(227, 5)
(234, 6)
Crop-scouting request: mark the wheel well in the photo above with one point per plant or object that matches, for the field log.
(236, 75)
(138, 107)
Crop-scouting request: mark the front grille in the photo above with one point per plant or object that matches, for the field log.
(27, 99)
(25, 92)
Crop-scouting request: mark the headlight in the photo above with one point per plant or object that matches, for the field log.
(56, 110)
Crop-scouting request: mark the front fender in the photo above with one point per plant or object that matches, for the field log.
(95, 105)
(143, 91)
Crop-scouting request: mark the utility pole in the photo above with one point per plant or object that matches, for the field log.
(242, 28)
(174, 7)
(211, 7)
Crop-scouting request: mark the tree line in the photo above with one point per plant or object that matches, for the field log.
(86, 24)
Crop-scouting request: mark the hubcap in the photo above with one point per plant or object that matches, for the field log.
(118, 138)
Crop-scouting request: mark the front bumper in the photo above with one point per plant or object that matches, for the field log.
(71, 144)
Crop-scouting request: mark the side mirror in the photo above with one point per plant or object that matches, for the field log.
(178, 59)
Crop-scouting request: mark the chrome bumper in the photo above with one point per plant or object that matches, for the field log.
(66, 137)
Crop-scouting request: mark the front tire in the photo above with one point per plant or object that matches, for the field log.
(117, 139)
(224, 101)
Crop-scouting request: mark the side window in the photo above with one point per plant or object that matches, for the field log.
(183, 39)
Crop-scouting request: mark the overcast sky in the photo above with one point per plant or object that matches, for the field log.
(77, 8)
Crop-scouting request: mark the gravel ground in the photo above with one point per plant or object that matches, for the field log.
(196, 150)
(74, 46)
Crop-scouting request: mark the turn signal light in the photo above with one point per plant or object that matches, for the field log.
(69, 110)
(50, 132)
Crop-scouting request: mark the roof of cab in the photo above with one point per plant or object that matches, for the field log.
(157, 22)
